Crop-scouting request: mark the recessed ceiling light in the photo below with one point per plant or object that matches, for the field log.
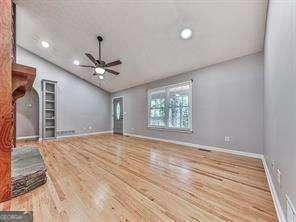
(186, 33)
(76, 62)
(45, 44)
(100, 70)
(101, 77)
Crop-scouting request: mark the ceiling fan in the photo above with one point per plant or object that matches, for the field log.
(100, 66)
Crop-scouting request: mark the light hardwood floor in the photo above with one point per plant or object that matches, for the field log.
(115, 178)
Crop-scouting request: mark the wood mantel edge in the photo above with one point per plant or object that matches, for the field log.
(22, 79)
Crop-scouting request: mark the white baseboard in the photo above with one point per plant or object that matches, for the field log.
(65, 136)
(84, 134)
(242, 153)
(275, 197)
(276, 201)
(28, 137)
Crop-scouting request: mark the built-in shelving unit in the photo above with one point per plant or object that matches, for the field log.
(49, 109)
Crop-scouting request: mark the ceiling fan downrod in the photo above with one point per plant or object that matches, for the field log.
(100, 39)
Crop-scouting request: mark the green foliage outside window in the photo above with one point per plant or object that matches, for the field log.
(170, 106)
(157, 113)
(179, 111)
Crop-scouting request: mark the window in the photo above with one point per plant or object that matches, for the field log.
(157, 108)
(170, 107)
(117, 111)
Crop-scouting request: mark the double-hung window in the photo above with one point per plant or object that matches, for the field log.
(170, 107)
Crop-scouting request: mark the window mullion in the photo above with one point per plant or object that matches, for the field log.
(166, 108)
(181, 113)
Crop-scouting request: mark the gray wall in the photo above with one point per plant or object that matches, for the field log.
(80, 105)
(227, 101)
(27, 115)
(280, 95)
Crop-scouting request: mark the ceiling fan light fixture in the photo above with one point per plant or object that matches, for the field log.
(100, 71)
(76, 62)
(100, 66)
(45, 44)
(186, 33)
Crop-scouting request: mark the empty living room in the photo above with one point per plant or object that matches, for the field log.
(148, 110)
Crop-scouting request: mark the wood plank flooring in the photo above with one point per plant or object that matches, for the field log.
(116, 178)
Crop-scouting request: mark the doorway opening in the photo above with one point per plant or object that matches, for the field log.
(27, 116)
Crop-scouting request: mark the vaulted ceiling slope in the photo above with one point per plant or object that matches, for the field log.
(143, 34)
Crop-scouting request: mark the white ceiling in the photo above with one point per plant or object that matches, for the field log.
(143, 34)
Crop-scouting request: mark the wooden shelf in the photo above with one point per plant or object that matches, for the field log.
(49, 104)
(49, 127)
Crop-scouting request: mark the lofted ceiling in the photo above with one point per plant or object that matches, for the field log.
(143, 34)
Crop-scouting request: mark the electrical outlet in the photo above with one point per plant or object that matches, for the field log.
(227, 139)
(278, 176)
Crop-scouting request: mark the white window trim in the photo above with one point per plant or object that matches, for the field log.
(149, 91)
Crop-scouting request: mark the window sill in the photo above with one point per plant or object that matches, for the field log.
(171, 130)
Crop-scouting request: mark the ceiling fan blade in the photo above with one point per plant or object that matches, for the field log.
(87, 66)
(115, 63)
(91, 58)
(112, 71)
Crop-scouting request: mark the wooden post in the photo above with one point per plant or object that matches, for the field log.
(5, 99)
(13, 46)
